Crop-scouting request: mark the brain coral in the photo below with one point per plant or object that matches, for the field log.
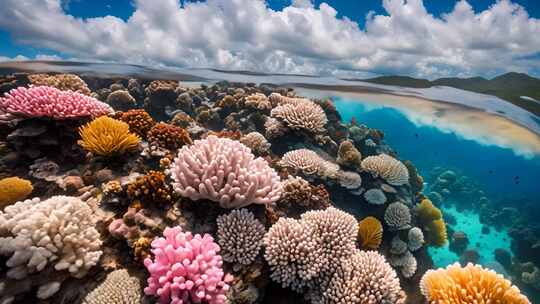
(469, 284)
(224, 171)
(59, 230)
(375, 196)
(397, 216)
(105, 136)
(62, 82)
(186, 269)
(302, 114)
(364, 278)
(240, 236)
(168, 136)
(370, 232)
(139, 121)
(13, 189)
(118, 287)
(50, 102)
(388, 168)
(256, 142)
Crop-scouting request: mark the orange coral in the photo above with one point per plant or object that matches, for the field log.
(151, 188)
(469, 284)
(370, 231)
(14, 189)
(106, 136)
(139, 121)
(168, 136)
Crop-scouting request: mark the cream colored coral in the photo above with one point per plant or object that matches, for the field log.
(278, 99)
(304, 160)
(258, 101)
(301, 114)
(386, 167)
(117, 288)
(62, 82)
(349, 179)
(256, 142)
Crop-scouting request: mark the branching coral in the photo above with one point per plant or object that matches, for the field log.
(118, 287)
(431, 218)
(151, 189)
(388, 168)
(224, 171)
(105, 136)
(62, 82)
(139, 121)
(240, 236)
(13, 189)
(186, 268)
(469, 284)
(256, 142)
(50, 102)
(301, 114)
(258, 101)
(397, 216)
(375, 196)
(348, 155)
(370, 232)
(59, 230)
(168, 136)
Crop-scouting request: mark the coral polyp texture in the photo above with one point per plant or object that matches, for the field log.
(469, 284)
(186, 268)
(240, 236)
(139, 121)
(59, 231)
(301, 114)
(168, 136)
(387, 168)
(105, 136)
(43, 101)
(62, 82)
(224, 171)
(364, 278)
(13, 189)
(151, 188)
(370, 232)
(118, 287)
(397, 216)
(306, 161)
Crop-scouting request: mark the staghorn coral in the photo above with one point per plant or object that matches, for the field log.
(105, 136)
(151, 188)
(13, 189)
(240, 236)
(168, 136)
(348, 179)
(121, 100)
(370, 232)
(62, 82)
(258, 101)
(364, 278)
(348, 155)
(415, 238)
(302, 114)
(256, 142)
(375, 196)
(386, 167)
(139, 121)
(58, 232)
(469, 284)
(175, 274)
(224, 171)
(430, 217)
(50, 102)
(274, 128)
(118, 287)
(397, 216)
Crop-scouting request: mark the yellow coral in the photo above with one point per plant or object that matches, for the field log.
(427, 212)
(106, 136)
(431, 218)
(370, 231)
(13, 189)
(469, 284)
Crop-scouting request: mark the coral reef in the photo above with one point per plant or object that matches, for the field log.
(274, 128)
(416, 239)
(118, 287)
(105, 136)
(224, 171)
(63, 82)
(256, 142)
(168, 136)
(397, 216)
(176, 271)
(348, 155)
(375, 196)
(13, 189)
(303, 160)
(387, 168)
(301, 114)
(151, 188)
(430, 218)
(370, 233)
(121, 100)
(299, 196)
(258, 101)
(469, 284)
(139, 121)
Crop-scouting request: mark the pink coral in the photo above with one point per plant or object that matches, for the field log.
(224, 171)
(43, 101)
(186, 269)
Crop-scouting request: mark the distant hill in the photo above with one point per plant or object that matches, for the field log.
(509, 86)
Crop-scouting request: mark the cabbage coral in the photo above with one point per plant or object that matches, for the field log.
(50, 102)
(168, 136)
(118, 287)
(387, 168)
(13, 189)
(186, 268)
(370, 232)
(469, 284)
(301, 114)
(62, 82)
(224, 171)
(105, 136)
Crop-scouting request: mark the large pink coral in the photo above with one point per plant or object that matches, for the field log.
(224, 171)
(43, 101)
(186, 269)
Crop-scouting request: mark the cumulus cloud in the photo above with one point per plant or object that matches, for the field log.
(301, 38)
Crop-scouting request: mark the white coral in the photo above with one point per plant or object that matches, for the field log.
(303, 114)
(59, 230)
(118, 287)
(304, 160)
(416, 239)
(386, 167)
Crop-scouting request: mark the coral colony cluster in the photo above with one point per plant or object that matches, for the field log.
(136, 191)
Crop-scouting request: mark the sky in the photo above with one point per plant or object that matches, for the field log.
(344, 38)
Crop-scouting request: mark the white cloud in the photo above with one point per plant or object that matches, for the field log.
(302, 38)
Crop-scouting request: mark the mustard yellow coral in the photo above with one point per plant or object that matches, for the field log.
(370, 233)
(13, 189)
(106, 136)
(469, 284)
(430, 217)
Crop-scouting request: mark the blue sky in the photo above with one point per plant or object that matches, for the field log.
(494, 36)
